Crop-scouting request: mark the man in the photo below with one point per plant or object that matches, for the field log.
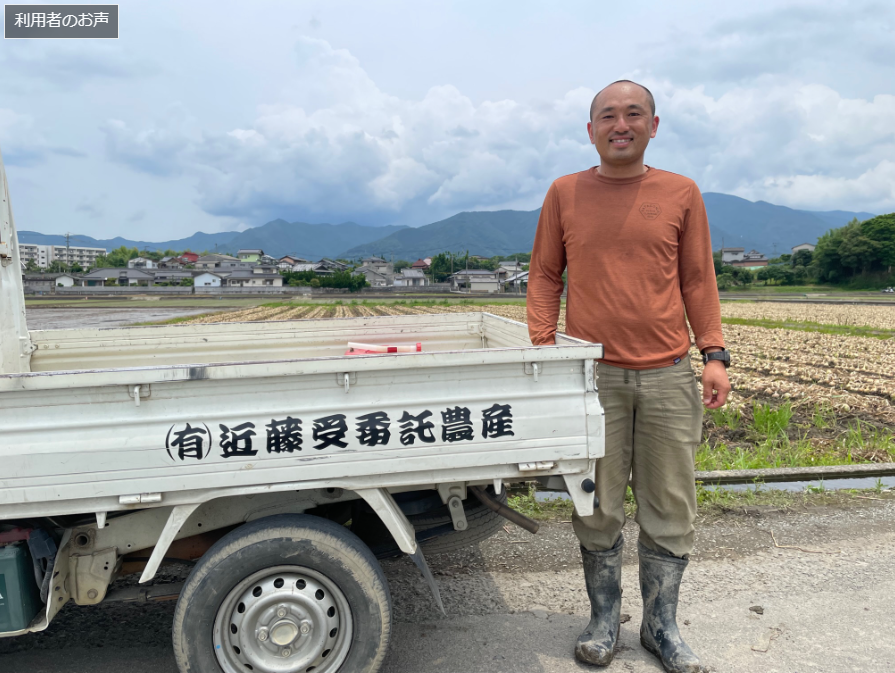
(635, 241)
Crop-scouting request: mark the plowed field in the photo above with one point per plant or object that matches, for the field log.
(832, 383)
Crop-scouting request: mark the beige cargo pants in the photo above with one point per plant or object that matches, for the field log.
(653, 426)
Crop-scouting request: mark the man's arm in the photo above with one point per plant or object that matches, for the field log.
(545, 284)
(699, 288)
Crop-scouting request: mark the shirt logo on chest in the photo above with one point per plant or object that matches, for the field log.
(650, 211)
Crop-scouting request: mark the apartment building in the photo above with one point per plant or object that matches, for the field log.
(44, 255)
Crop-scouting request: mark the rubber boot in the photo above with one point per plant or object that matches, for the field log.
(603, 577)
(660, 581)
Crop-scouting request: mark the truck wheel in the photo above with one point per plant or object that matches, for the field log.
(483, 523)
(288, 593)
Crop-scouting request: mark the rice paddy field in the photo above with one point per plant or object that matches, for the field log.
(814, 384)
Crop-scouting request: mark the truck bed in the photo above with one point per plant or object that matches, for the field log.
(112, 419)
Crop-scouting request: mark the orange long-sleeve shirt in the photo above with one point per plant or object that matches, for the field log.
(639, 260)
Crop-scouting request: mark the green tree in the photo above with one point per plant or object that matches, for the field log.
(881, 230)
(857, 251)
(801, 258)
(402, 264)
(117, 258)
(725, 281)
(776, 275)
(31, 266)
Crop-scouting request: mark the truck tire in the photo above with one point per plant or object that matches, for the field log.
(483, 523)
(286, 593)
(434, 526)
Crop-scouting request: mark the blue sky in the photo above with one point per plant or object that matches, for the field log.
(213, 117)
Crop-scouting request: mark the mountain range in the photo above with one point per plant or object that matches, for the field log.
(734, 222)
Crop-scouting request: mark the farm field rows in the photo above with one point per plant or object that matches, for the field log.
(879, 317)
(836, 392)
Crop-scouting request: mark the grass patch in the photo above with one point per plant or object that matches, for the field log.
(727, 417)
(861, 443)
(807, 326)
(174, 321)
(394, 302)
(716, 501)
(710, 501)
(771, 422)
(523, 500)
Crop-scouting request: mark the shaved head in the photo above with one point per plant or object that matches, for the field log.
(649, 96)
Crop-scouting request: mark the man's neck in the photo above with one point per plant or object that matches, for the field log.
(626, 171)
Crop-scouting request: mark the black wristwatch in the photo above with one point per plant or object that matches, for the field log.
(723, 355)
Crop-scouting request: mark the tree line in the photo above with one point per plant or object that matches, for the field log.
(860, 255)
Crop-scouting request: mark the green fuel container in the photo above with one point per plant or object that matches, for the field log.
(19, 594)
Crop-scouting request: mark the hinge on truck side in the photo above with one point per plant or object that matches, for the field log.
(533, 368)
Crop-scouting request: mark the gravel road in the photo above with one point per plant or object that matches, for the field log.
(517, 603)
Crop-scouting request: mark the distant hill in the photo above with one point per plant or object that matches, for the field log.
(198, 242)
(311, 241)
(836, 218)
(277, 238)
(765, 227)
(734, 221)
(486, 233)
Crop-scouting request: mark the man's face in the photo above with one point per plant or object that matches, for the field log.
(622, 124)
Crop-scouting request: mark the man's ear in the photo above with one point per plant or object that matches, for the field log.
(590, 133)
(654, 129)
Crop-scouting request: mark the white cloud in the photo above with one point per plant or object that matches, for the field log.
(754, 141)
(340, 148)
(22, 144)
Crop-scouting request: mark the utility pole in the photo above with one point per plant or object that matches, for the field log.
(68, 249)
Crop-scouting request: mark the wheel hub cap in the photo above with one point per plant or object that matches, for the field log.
(283, 620)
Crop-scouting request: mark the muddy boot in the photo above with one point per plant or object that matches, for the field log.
(603, 577)
(660, 579)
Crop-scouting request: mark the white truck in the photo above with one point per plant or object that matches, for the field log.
(280, 465)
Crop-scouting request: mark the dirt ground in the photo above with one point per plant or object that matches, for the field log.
(767, 590)
(91, 317)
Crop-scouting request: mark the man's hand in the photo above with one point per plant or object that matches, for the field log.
(715, 384)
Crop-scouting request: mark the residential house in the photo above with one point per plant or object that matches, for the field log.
(259, 276)
(376, 278)
(292, 260)
(170, 263)
(332, 265)
(476, 280)
(216, 261)
(142, 263)
(172, 276)
(378, 264)
(48, 282)
(751, 260)
(411, 278)
(110, 277)
(422, 264)
(316, 267)
(518, 282)
(508, 267)
(731, 255)
(209, 279)
(189, 257)
(803, 246)
(250, 254)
